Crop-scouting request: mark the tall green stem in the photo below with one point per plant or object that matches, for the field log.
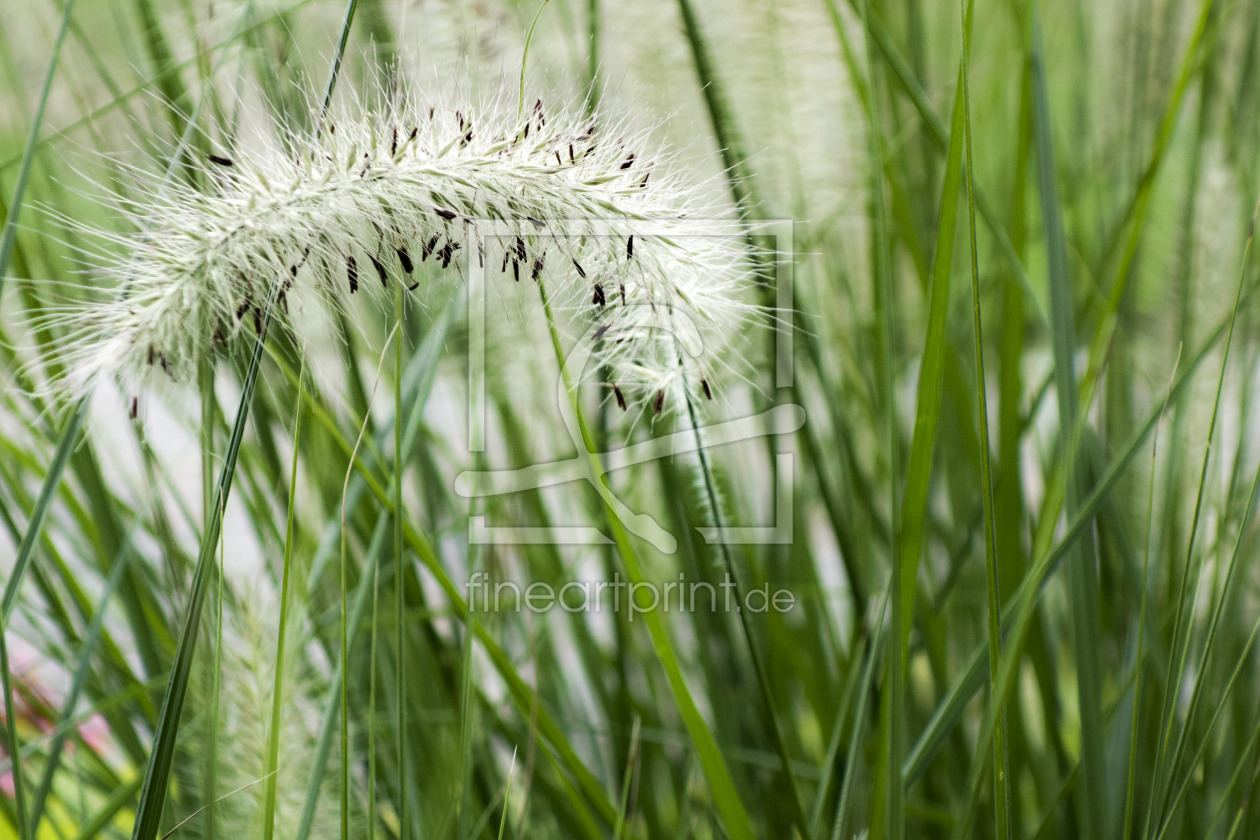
(400, 589)
(759, 665)
(11, 736)
(277, 690)
(1001, 781)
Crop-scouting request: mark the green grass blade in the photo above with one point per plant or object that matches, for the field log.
(144, 87)
(1180, 639)
(1081, 576)
(837, 731)
(53, 758)
(852, 765)
(795, 806)
(1213, 633)
(400, 577)
(507, 790)
(931, 381)
(332, 701)
(118, 800)
(1018, 607)
(905, 77)
(592, 56)
(1171, 811)
(1240, 765)
(65, 446)
(632, 759)
(1009, 509)
(157, 774)
(9, 235)
(216, 697)
(1136, 214)
(335, 70)
(997, 697)
(277, 687)
(729, 139)
(11, 743)
(1141, 631)
(888, 812)
(166, 72)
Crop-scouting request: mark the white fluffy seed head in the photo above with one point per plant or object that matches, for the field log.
(369, 200)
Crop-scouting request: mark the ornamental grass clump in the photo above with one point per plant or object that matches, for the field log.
(368, 199)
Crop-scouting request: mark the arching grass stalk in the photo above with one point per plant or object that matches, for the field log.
(378, 194)
(726, 798)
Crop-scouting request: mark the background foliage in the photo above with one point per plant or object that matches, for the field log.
(1084, 199)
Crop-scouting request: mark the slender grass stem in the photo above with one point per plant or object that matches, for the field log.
(754, 652)
(277, 684)
(1180, 646)
(343, 682)
(1001, 773)
(1141, 630)
(371, 722)
(53, 757)
(891, 819)
(400, 573)
(334, 72)
(212, 760)
(529, 37)
(12, 745)
(840, 827)
(592, 55)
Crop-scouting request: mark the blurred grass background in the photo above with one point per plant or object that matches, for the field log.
(1104, 161)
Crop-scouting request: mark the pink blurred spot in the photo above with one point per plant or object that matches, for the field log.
(95, 733)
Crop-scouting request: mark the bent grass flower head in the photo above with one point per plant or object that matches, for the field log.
(369, 199)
